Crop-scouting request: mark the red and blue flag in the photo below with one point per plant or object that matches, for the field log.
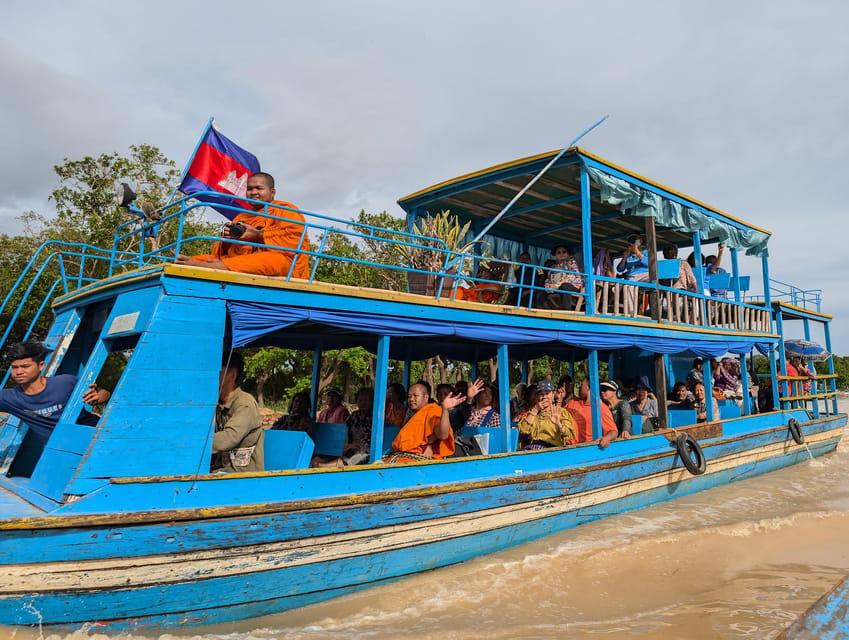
(219, 165)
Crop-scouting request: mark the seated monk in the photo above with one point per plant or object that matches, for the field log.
(427, 434)
(482, 291)
(259, 230)
(581, 411)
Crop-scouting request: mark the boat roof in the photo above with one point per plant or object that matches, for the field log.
(480, 195)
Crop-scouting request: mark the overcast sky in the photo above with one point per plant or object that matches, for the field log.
(743, 105)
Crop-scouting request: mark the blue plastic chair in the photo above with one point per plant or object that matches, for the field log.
(681, 417)
(636, 424)
(494, 437)
(729, 411)
(390, 432)
(719, 281)
(287, 450)
(668, 269)
(330, 438)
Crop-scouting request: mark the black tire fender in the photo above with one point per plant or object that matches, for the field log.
(796, 431)
(691, 454)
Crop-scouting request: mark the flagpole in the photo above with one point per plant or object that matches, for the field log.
(532, 182)
(191, 159)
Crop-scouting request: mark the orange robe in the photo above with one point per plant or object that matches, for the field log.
(484, 292)
(582, 418)
(275, 233)
(417, 433)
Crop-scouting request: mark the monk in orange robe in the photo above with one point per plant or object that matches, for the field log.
(581, 411)
(428, 432)
(259, 229)
(482, 291)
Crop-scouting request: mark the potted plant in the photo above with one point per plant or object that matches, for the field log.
(441, 237)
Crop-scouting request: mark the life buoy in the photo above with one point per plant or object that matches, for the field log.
(796, 431)
(691, 454)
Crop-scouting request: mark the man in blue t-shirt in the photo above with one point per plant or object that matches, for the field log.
(38, 400)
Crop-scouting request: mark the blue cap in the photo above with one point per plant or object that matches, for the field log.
(545, 386)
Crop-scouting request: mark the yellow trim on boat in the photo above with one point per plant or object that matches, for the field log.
(203, 273)
(793, 307)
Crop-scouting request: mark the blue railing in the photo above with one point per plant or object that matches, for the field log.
(56, 265)
(611, 296)
(783, 292)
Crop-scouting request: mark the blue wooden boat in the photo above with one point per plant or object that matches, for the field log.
(122, 526)
(826, 619)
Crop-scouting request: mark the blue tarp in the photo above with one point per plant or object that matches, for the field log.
(636, 201)
(254, 322)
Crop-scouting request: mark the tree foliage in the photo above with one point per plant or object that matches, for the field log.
(86, 213)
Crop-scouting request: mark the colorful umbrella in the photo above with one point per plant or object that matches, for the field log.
(806, 350)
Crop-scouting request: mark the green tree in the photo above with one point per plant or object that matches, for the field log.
(86, 213)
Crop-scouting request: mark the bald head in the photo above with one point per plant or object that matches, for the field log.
(417, 396)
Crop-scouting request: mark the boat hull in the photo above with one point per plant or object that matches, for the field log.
(206, 566)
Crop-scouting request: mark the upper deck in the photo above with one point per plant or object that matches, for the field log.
(582, 201)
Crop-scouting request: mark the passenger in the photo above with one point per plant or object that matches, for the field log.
(803, 370)
(645, 405)
(619, 407)
(561, 285)
(727, 378)
(791, 386)
(581, 411)
(603, 264)
(258, 229)
(565, 390)
(443, 390)
(528, 279)
(531, 399)
(485, 413)
(680, 398)
(359, 429)
(460, 413)
(395, 411)
(238, 441)
(695, 375)
(711, 267)
(686, 279)
(334, 411)
(427, 434)
(487, 292)
(519, 403)
(545, 424)
(633, 266)
(700, 403)
(299, 417)
(38, 400)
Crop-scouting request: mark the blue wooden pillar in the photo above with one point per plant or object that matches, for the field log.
(315, 378)
(699, 272)
(595, 399)
(767, 292)
(523, 374)
(381, 375)
(815, 402)
(707, 374)
(831, 385)
(744, 380)
(504, 396)
(773, 375)
(735, 272)
(782, 358)
(407, 360)
(587, 242)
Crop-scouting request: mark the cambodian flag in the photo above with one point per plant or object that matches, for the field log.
(219, 165)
